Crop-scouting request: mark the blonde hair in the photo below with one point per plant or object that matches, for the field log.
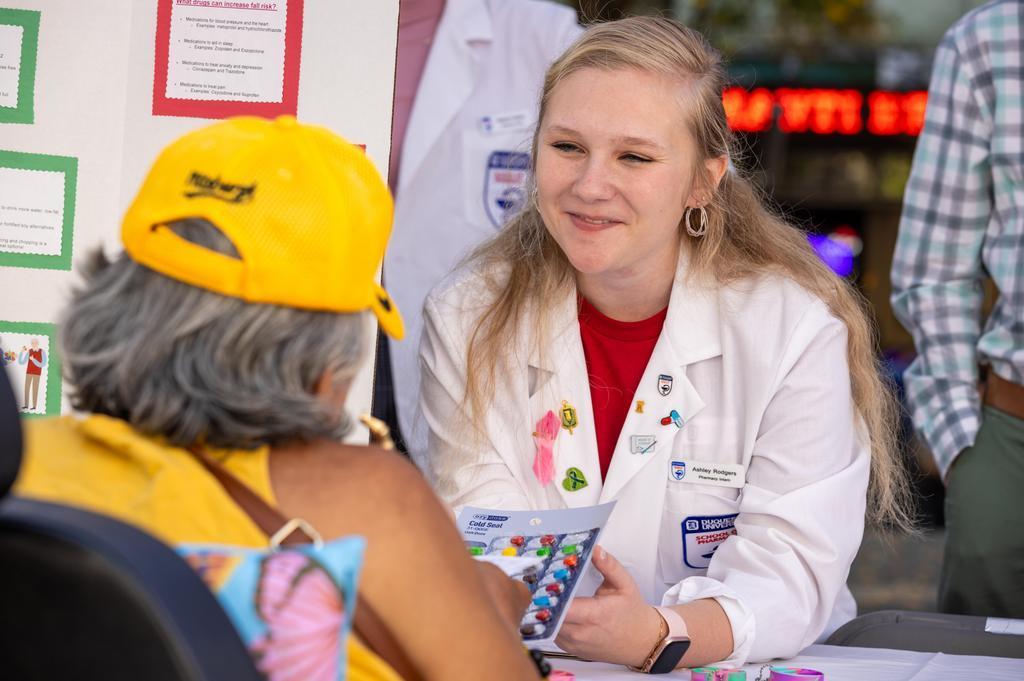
(523, 266)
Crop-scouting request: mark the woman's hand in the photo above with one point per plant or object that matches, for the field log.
(615, 625)
(510, 596)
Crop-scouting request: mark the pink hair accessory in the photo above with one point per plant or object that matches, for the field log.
(544, 436)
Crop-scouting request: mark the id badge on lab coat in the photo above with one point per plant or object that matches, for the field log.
(704, 481)
(495, 166)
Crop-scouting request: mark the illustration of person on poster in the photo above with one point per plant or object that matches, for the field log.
(35, 359)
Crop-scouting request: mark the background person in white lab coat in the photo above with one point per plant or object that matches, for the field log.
(468, 75)
(711, 375)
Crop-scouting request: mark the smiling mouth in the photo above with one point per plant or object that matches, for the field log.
(591, 224)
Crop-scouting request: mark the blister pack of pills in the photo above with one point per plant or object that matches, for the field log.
(559, 544)
(550, 583)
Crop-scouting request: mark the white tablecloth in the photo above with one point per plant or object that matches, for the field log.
(840, 663)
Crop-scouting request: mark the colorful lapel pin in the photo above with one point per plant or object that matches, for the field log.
(639, 406)
(664, 384)
(544, 438)
(642, 444)
(574, 480)
(673, 417)
(569, 420)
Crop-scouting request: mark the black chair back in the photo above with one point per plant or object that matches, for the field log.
(86, 596)
(10, 436)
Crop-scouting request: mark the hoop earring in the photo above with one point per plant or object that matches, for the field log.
(703, 222)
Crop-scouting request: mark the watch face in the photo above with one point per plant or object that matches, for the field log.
(670, 656)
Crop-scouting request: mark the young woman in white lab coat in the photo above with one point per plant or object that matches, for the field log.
(751, 424)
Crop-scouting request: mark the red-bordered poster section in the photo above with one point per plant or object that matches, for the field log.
(220, 58)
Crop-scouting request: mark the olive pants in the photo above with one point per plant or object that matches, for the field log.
(983, 565)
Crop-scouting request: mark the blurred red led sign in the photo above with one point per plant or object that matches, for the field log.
(825, 111)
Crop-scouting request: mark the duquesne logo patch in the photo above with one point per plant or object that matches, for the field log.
(198, 185)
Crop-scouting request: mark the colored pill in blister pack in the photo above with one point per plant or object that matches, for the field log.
(536, 616)
(544, 540)
(555, 577)
(545, 601)
(532, 630)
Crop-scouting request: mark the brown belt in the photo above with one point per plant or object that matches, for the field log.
(1004, 395)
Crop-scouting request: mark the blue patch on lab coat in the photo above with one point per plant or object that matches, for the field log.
(702, 535)
(505, 184)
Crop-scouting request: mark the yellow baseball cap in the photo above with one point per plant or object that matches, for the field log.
(307, 212)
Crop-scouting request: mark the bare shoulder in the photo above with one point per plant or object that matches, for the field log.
(345, 489)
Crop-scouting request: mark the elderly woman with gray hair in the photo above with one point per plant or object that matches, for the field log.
(224, 341)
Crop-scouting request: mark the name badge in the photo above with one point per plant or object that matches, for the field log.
(496, 124)
(708, 473)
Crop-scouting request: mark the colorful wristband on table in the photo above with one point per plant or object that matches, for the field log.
(715, 674)
(795, 674)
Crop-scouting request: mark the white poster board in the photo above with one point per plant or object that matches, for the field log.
(94, 98)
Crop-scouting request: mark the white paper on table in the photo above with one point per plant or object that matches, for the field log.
(227, 53)
(481, 527)
(31, 211)
(1001, 625)
(10, 63)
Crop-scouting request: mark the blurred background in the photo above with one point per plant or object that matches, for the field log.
(828, 97)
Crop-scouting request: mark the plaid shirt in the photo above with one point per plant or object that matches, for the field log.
(963, 218)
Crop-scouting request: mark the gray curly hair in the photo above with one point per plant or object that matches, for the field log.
(193, 366)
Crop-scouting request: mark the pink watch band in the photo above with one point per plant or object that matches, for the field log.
(675, 621)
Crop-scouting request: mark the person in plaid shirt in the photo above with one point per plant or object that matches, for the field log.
(963, 220)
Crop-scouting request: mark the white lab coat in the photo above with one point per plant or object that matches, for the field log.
(760, 379)
(487, 61)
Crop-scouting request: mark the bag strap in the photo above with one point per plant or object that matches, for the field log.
(367, 625)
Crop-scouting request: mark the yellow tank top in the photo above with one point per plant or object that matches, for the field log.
(101, 464)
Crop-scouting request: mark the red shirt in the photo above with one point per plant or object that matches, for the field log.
(36, 355)
(617, 354)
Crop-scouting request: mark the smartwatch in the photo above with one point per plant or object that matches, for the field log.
(667, 652)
